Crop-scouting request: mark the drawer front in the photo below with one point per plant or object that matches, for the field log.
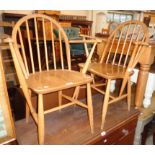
(127, 140)
(120, 133)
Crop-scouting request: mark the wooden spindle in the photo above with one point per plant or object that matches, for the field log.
(61, 51)
(23, 50)
(53, 45)
(118, 43)
(128, 50)
(30, 46)
(113, 40)
(122, 52)
(45, 44)
(37, 43)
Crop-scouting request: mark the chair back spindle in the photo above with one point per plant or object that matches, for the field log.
(125, 44)
(39, 49)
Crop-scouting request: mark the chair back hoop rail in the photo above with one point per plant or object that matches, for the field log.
(42, 70)
(123, 50)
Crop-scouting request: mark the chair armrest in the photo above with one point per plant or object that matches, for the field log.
(94, 39)
(87, 36)
(8, 40)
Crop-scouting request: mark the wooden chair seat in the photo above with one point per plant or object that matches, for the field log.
(107, 71)
(50, 81)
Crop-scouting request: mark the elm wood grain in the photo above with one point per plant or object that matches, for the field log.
(145, 62)
(52, 78)
(71, 126)
(123, 50)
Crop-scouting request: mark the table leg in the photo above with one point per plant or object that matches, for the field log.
(141, 84)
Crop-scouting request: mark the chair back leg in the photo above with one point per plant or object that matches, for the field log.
(105, 103)
(28, 110)
(90, 107)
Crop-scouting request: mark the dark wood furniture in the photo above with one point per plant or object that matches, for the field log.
(10, 17)
(7, 131)
(65, 129)
(85, 25)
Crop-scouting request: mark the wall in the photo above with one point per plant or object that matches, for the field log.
(99, 20)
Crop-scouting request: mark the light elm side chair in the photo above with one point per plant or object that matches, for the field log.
(39, 71)
(120, 55)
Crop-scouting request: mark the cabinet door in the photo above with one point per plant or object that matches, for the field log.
(7, 132)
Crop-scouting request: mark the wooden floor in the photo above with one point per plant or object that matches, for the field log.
(71, 125)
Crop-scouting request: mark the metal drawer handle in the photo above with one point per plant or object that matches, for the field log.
(105, 140)
(125, 132)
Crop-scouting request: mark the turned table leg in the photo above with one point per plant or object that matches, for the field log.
(145, 63)
(141, 84)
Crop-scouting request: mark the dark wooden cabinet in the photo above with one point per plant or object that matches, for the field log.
(123, 133)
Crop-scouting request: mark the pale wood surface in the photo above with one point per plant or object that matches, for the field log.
(145, 62)
(61, 79)
(39, 71)
(123, 50)
(71, 126)
(107, 70)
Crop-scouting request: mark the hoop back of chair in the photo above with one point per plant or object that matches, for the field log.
(125, 44)
(37, 48)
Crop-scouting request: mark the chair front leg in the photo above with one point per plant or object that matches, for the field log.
(27, 113)
(105, 103)
(40, 119)
(129, 94)
(90, 107)
(60, 99)
(27, 110)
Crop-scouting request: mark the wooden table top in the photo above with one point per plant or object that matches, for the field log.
(71, 125)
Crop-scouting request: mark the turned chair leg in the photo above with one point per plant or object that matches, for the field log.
(27, 110)
(60, 99)
(105, 103)
(129, 94)
(90, 107)
(40, 119)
